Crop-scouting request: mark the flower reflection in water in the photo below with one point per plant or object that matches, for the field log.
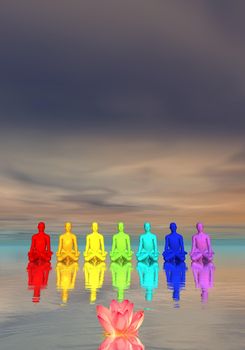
(121, 343)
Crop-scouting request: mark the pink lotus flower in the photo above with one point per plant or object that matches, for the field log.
(119, 319)
(121, 343)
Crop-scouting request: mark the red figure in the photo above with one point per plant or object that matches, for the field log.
(40, 246)
(38, 273)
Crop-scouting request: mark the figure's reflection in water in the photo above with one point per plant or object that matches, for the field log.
(175, 277)
(204, 278)
(66, 278)
(38, 274)
(121, 343)
(148, 275)
(121, 277)
(94, 278)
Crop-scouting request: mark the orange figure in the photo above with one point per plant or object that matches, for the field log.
(38, 273)
(40, 246)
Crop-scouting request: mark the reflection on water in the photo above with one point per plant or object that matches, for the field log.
(219, 324)
(204, 278)
(121, 343)
(148, 275)
(94, 277)
(175, 277)
(66, 278)
(121, 277)
(38, 274)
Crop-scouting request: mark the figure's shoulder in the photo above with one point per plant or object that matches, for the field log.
(74, 235)
(167, 235)
(153, 235)
(180, 235)
(100, 235)
(46, 235)
(35, 235)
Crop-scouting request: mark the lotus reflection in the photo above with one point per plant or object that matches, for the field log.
(121, 343)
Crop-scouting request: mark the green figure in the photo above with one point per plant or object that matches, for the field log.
(148, 250)
(148, 275)
(121, 278)
(121, 248)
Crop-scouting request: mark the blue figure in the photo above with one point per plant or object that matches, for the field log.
(148, 250)
(174, 246)
(148, 275)
(175, 277)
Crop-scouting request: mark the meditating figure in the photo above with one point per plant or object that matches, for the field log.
(148, 275)
(66, 278)
(148, 250)
(174, 246)
(38, 274)
(95, 248)
(201, 250)
(40, 245)
(68, 250)
(175, 277)
(121, 249)
(121, 277)
(94, 278)
(204, 277)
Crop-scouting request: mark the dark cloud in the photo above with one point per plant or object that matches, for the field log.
(133, 68)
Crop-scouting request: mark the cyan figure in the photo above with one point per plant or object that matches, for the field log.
(121, 247)
(148, 275)
(201, 250)
(121, 277)
(203, 277)
(148, 249)
(175, 277)
(174, 246)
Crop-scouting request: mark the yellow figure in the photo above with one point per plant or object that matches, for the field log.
(121, 277)
(95, 248)
(94, 278)
(66, 278)
(68, 250)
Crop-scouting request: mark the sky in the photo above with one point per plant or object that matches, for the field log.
(122, 111)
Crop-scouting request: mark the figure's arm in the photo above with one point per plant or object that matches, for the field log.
(196, 278)
(128, 245)
(30, 274)
(101, 276)
(33, 243)
(128, 277)
(102, 244)
(75, 244)
(166, 244)
(113, 275)
(193, 248)
(140, 245)
(208, 244)
(113, 243)
(141, 276)
(60, 245)
(87, 245)
(155, 244)
(211, 277)
(46, 274)
(48, 244)
(182, 249)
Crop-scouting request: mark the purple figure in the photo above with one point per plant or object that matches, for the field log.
(201, 250)
(204, 277)
(174, 246)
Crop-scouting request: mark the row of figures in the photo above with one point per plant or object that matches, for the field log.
(121, 255)
(66, 276)
(174, 250)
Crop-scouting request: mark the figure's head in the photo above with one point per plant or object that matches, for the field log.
(147, 226)
(173, 227)
(36, 295)
(41, 226)
(199, 227)
(120, 226)
(95, 226)
(68, 226)
(120, 295)
(93, 296)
